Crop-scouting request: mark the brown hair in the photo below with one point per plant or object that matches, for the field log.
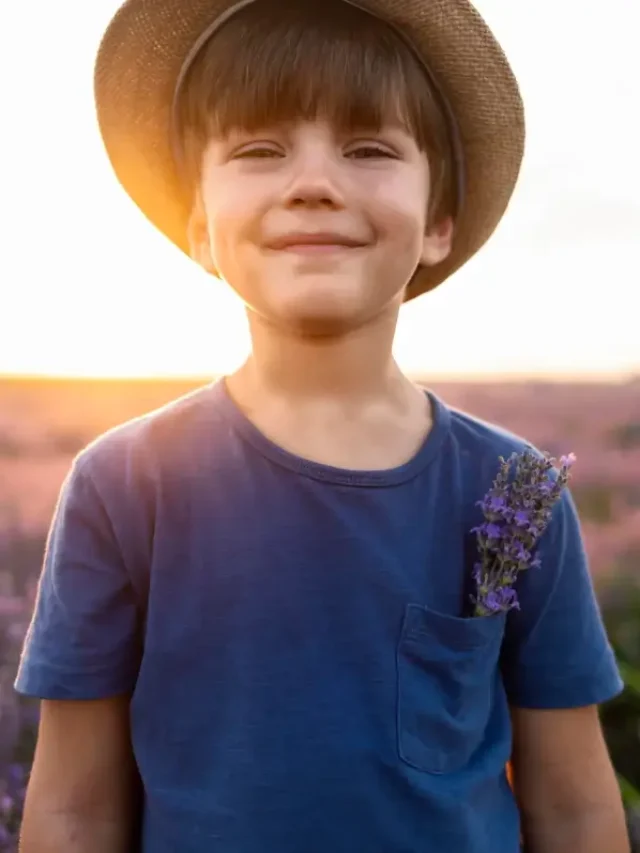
(284, 60)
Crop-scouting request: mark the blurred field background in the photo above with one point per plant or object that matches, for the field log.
(45, 422)
(100, 293)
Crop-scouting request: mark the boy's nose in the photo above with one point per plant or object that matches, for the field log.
(314, 183)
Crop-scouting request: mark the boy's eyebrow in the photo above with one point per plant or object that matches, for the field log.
(455, 139)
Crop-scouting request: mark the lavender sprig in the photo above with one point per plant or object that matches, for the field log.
(516, 515)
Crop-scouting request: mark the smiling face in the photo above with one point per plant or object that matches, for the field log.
(320, 170)
(316, 227)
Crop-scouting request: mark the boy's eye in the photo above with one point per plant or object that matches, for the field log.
(368, 152)
(257, 152)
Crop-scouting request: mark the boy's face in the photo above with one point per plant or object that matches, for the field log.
(316, 229)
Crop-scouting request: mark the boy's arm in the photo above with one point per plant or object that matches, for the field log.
(83, 792)
(565, 784)
(81, 657)
(558, 666)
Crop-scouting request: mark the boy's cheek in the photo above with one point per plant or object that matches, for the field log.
(237, 261)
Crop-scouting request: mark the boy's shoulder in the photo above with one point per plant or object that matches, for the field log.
(165, 435)
(478, 446)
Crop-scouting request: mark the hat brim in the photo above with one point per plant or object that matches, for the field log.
(143, 51)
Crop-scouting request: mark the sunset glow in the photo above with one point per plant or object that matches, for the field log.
(93, 290)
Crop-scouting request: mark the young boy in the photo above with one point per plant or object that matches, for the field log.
(252, 632)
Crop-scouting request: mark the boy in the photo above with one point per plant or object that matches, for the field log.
(251, 632)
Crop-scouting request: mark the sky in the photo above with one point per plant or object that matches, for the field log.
(89, 288)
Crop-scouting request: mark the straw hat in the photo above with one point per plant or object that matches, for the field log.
(149, 45)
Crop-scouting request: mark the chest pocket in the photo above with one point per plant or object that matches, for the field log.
(447, 675)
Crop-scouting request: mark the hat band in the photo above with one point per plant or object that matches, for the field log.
(452, 124)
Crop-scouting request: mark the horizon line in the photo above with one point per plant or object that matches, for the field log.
(627, 376)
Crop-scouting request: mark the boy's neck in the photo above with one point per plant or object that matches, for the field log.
(342, 402)
(357, 366)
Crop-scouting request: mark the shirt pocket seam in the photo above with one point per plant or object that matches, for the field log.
(478, 644)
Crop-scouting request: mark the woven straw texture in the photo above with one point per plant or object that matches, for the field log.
(147, 41)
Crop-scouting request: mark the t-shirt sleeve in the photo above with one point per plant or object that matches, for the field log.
(84, 638)
(556, 652)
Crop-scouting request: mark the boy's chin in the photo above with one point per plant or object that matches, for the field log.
(321, 313)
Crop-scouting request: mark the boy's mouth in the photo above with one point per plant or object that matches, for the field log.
(314, 242)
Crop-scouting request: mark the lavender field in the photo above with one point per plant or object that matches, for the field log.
(44, 423)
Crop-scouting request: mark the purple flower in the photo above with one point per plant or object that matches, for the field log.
(516, 514)
(493, 531)
(494, 505)
(502, 598)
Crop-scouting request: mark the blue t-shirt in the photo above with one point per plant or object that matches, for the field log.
(292, 635)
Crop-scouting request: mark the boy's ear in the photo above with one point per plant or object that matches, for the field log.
(198, 236)
(437, 242)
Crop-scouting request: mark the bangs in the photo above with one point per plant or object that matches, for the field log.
(281, 61)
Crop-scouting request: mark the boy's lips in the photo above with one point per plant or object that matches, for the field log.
(314, 242)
